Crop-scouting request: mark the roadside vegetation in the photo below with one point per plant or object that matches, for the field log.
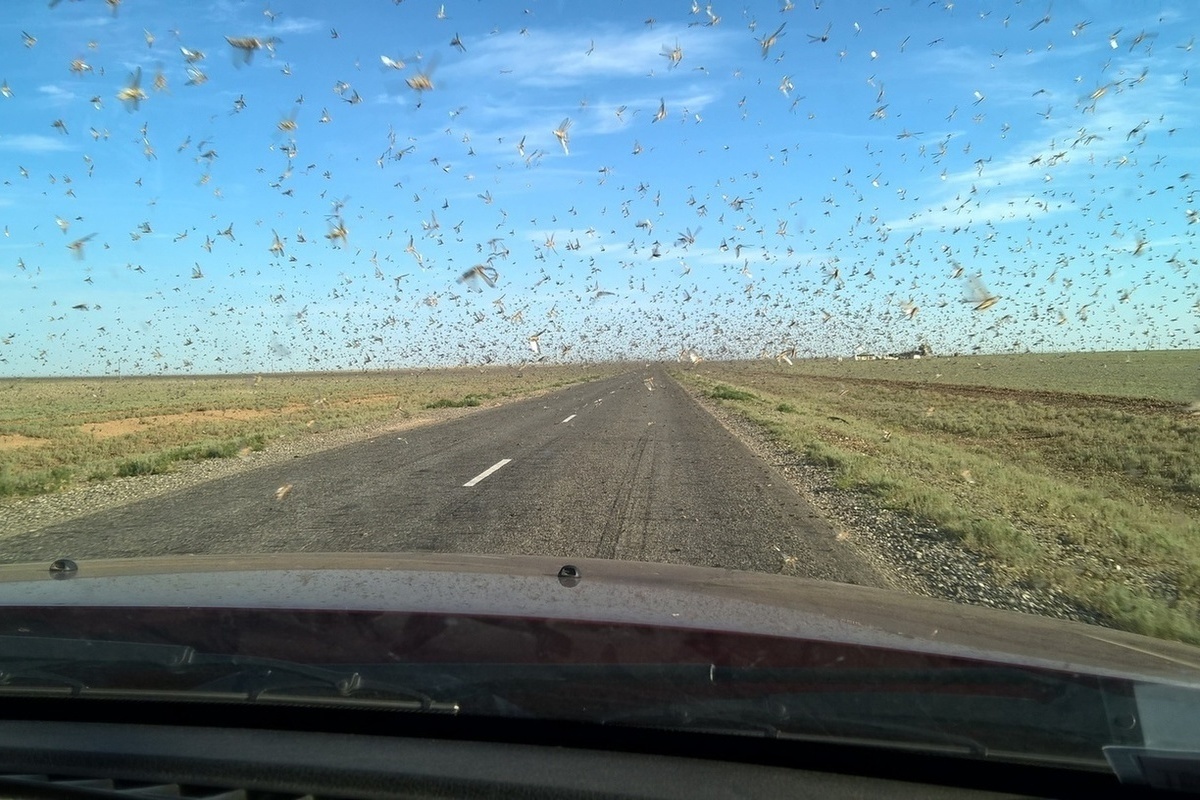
(468, 401)
(723, 392)
(1051, 479)
(1170, 375)
(55, 433)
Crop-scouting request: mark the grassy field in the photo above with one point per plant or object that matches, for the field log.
(1079, 471)
(57, 432)
(1158, 374)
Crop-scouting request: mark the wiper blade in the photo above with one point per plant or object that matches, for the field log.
(102, 669)
(734, 718)
(268, 679)
(45, 648)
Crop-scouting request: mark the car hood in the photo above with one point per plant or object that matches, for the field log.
(634, 594)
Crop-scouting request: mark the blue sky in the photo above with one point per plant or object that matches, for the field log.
(973, 176)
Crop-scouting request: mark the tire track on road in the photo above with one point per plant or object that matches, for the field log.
(622, 503)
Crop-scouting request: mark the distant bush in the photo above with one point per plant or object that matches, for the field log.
(39, 482)
(469, 401)
(723, 392)
(158, 463)
(150, 465)
(786, 408)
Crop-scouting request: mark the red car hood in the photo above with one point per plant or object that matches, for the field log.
(637, 595)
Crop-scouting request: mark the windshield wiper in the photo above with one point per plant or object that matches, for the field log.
(102, 669)
(735, 718)
(982, 710)
(46, 648)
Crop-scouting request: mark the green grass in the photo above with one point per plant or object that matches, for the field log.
(1170, 375)
(160, 462)
(469, 401)
(1098, 496)
(33, 481)
(57, 432)
(723, 392)
(150, 465)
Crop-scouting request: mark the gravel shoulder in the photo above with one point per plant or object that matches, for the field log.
(916, 557)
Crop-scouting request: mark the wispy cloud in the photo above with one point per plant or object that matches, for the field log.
(32, 143)
(544, 58)
(496, 130)
(1070, 147)
(394, 99)
(296, 25)
(57, 94)
(967, 60)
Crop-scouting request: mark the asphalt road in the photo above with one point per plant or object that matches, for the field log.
(608, 469)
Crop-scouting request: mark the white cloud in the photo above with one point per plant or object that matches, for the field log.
(496, 129)
(1087, 141)
(57, 94)
(393, 99)
(550, 59)
(32, 143)
(289, 25)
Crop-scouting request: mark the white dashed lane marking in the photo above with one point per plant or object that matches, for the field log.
(568, 419)
(487, 472)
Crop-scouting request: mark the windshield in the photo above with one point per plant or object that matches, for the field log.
(901, 296)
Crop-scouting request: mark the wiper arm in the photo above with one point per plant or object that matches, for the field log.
(95, 668)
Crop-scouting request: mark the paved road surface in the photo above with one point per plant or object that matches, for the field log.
(610, 469)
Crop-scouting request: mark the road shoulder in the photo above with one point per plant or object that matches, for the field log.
(914, 556)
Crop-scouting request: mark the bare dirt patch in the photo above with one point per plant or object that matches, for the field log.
(120, 427)
(357, 402)
(11, 441)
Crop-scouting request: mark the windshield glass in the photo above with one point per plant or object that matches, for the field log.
(899, 296)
